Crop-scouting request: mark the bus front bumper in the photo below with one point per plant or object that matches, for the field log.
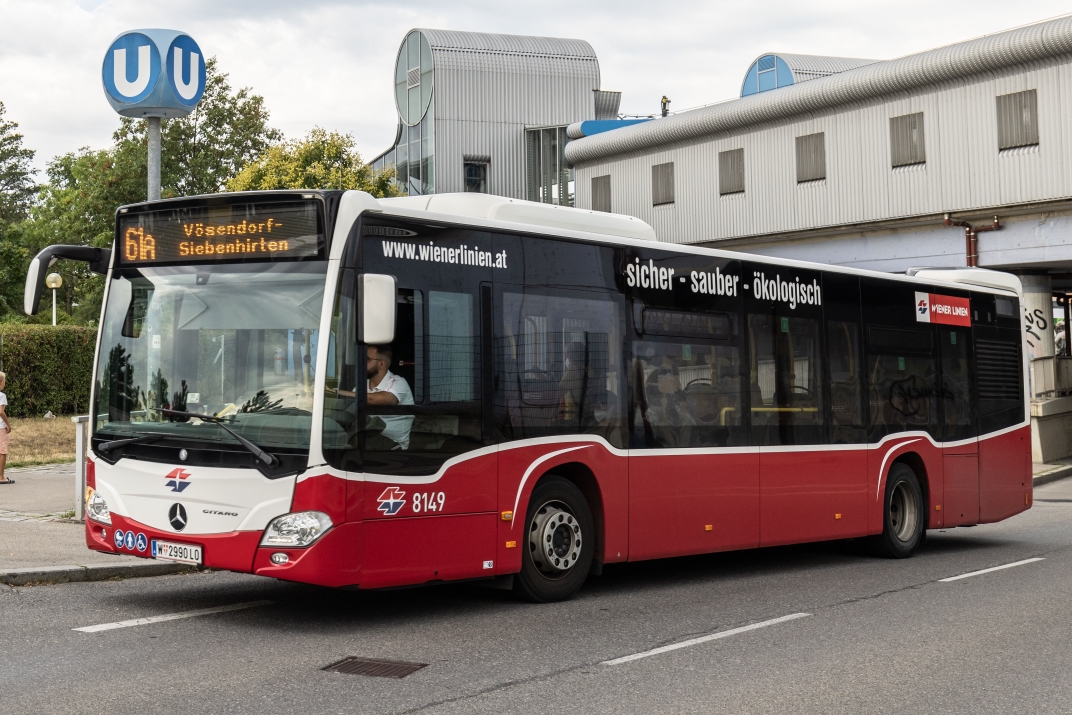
(331, 561)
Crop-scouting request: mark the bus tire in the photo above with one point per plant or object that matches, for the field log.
(903, 517)
(559, 542)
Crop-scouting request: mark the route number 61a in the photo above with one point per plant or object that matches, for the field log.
(428, 501)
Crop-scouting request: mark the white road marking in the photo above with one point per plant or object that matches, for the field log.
(170, 617)
(705, 639)
(994, 568)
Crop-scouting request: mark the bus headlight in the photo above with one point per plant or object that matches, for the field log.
(97, 508)
(296, 530)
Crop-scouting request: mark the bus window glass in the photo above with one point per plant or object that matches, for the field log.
(957, 415)
(560, 365)
(436, 351)
(785, 379)
(229, 340)
(846, 389)
(903, 380)
(687, 393)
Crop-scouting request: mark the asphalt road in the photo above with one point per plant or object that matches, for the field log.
(881, 636)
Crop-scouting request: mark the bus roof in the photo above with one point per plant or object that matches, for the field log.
(482, 210)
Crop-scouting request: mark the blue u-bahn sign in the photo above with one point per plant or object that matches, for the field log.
(153, 73)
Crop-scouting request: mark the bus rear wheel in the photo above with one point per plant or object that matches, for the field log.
(559, 542)
(903, 515)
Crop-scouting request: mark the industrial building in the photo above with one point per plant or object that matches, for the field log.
(488, 113)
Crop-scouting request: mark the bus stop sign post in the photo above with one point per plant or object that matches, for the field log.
(153, 75)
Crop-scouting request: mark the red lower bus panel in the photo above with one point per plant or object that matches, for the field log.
(414, 550)
(1004, 478)
(334, 560)
(812, 495)
(879, 461)
(673, 499)
(961, 481)
(520, 468)
(322, 492)
(466, 487)
(232, 551)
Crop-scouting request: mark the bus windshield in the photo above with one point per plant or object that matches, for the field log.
(236, 341)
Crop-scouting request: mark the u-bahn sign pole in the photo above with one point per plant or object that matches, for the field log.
(153, 75)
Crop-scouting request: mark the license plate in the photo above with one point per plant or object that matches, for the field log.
(170, 551)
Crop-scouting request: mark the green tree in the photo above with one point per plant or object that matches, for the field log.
(201, 151)
(17, 185)
(17, 188)
(321, 160)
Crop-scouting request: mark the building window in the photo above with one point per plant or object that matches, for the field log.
(662, 184)
(907, 146)
(476, 177)
(1018, 120)
(601, 193)
(550, 177)
(811, 157)
(731, 172)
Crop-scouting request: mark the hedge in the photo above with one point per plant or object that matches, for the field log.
(49, 368)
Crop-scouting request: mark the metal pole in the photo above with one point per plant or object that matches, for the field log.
(81, 423)
(53, 307)
(154, 158)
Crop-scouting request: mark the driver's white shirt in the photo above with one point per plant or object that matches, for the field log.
(397, 426)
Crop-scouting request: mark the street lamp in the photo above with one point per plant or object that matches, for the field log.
(54, 281)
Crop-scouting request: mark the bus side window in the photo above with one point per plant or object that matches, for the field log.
(958, 418)
(687, 393)
(559, 364)
(846, 388)
(785, 379)
(903, 380)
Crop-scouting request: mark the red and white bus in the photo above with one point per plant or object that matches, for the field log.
(565, 392)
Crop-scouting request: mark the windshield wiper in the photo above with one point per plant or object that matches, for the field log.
(259, 453)
(116, 443)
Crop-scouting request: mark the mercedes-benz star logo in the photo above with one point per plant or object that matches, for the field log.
(177, 517)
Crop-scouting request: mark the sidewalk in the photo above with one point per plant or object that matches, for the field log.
(39, 543)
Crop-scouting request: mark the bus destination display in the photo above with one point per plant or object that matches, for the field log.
(240, 232)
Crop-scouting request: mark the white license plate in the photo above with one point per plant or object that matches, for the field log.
(170, 551)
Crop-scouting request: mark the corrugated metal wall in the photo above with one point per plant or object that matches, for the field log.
(489, 88)
(964, 169)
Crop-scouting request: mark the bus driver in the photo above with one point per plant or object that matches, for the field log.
(386, 389)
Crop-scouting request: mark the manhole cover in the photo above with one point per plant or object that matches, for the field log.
(375, 668)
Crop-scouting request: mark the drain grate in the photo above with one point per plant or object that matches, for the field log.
(375, 668)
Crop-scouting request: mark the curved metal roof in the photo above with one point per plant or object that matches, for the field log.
(1033, 43)
(806, 67)
(508, 44)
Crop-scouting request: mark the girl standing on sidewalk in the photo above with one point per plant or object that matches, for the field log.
(5, 430)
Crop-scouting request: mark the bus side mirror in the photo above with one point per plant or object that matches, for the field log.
(97, 258)
(376, 296)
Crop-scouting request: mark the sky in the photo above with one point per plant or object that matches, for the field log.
(330, 64)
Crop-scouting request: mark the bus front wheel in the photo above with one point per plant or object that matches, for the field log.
(559, 542)
(903, 516)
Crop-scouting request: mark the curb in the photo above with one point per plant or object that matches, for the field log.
(70, 573)
(1055, 475)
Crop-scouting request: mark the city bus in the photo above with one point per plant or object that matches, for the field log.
(548, 390)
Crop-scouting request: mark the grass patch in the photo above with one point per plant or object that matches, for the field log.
(35, 440)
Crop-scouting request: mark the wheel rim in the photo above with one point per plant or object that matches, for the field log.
(904, 512)
(554, 539)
